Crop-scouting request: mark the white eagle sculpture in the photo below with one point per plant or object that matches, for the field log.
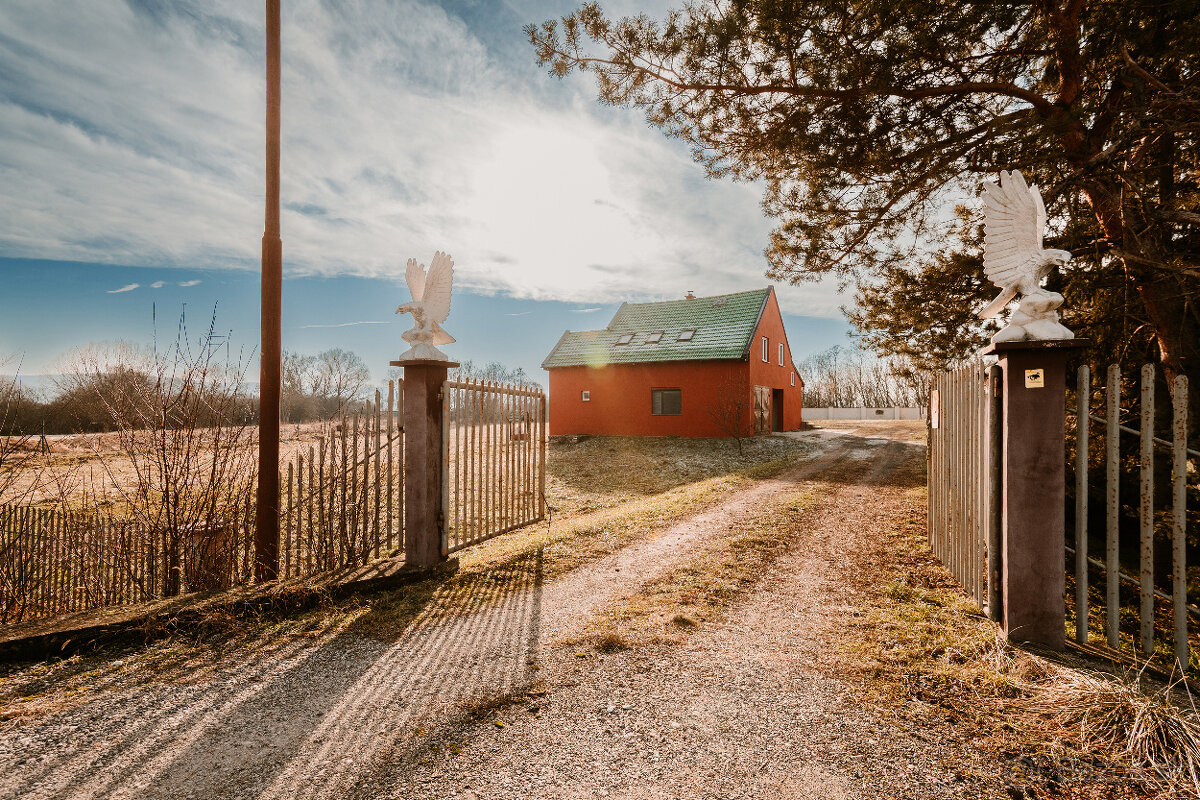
(430, 305)
(1013, 258)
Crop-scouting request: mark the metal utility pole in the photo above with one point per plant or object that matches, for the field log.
(266, 517)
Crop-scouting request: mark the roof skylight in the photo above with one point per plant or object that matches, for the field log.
(686, 335)
(654, 338)
(625, 338)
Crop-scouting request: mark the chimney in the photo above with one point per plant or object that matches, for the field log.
(690, 296)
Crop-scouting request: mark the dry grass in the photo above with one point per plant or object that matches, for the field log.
(724, 569)
(604, 471)
(923, 650)
(1127, 718)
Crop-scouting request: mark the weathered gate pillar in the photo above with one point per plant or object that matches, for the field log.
(424, 517)
(1033, 419)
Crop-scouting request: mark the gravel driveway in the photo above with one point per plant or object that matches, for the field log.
(498, 702)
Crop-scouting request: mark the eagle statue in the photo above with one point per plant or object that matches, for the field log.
(1013, 258)
(430, 305)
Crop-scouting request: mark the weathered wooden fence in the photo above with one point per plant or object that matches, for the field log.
(494, 460)
(963, 515)
(1163, 616)
(341, 505)
(55, 561)
(343, 500)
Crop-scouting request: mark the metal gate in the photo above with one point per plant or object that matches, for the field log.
(493, 461)
(964, 480)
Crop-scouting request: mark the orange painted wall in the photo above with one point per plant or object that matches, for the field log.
(620, 393)
(770, 373)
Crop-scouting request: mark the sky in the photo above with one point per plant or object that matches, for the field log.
(131, 182)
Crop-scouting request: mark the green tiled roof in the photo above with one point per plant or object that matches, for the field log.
(723, 326)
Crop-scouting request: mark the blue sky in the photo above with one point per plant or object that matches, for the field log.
(131, 181)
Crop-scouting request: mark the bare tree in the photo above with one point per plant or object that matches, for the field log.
(838, 378)
(340, 377)
(732, 411)
(183, 429)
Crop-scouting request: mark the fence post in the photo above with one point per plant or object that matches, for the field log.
(423, 420)
(1033, 420)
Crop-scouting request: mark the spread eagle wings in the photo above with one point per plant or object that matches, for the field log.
(1014, 218)
(432, 289)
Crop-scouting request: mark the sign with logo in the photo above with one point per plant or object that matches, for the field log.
(1035, 379)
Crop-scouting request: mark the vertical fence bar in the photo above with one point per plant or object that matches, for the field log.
(376, 518)
(365, 499)
(443, 522)
(1179, 407)
(1146, 511)
(391, 410)
(289, 529)
(1083, 393)
(995, 407)
(1112, 510)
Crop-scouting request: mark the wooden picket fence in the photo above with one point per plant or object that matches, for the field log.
(56, 561)
(343, 501)
(341, 505)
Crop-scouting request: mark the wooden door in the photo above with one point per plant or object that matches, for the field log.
(762, 409)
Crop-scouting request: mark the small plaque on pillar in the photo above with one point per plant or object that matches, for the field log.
(1035, 379)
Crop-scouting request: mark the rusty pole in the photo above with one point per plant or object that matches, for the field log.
(266, 517)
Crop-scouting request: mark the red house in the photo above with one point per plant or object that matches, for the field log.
(703, 366)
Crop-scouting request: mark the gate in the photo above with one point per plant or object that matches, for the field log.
(494, 460)
(964, 480)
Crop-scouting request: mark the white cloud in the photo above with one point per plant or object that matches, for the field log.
(126, 288)
(158, 284)
(585, 310)
(135, 137)
(349, 324)
(186, 284)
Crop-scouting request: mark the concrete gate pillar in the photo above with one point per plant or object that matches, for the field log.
(1032, 502)
(424, 517)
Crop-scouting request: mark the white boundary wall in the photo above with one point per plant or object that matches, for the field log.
(896, 412)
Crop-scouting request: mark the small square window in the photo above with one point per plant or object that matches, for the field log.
(766, 350)
(686, 335)
(585, 396)
(625, 338)
(666, 402)
(781, 354)
(654, 338)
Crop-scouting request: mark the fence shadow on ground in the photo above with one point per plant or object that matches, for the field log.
(307, 717)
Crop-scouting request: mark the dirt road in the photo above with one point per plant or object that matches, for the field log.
(501, 700)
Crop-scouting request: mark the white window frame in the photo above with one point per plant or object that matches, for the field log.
(793, 379)
(781, 354)
(585, 396)
(766, 350)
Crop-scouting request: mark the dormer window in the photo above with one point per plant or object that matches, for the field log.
(625, 338)
(686, 335)
(654, 338)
